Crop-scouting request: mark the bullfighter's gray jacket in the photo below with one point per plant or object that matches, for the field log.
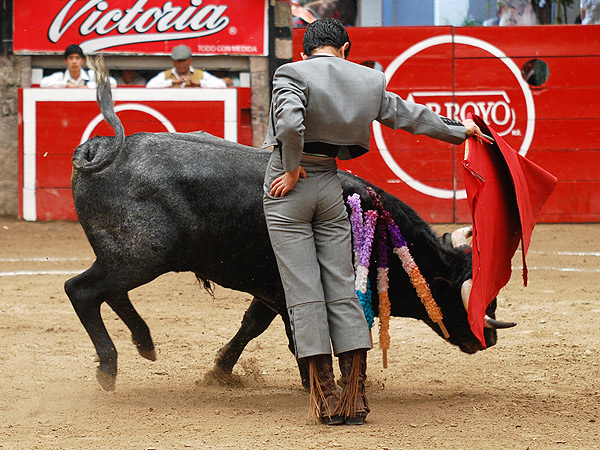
(350, 96)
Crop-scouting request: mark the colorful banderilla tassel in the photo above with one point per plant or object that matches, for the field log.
(364, 257)
(400, 248)
(382, 291)
(364, 232)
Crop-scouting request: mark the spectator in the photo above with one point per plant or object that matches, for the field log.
(130, 78)
(590, 12)
(301, 16)
(228, 78)
(344, 10)
(516, 12)
(183, 74)
(75, 76)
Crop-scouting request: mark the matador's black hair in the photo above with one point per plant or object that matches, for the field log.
(325, 32)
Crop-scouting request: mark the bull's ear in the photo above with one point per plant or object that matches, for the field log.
(447, 240)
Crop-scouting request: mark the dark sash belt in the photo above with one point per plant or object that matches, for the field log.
(321, 149)
(330, 150)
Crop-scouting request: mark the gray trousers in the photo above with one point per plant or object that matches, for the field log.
(310, 234)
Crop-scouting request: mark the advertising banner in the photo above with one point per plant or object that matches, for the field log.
(208, 27)
(524, 82)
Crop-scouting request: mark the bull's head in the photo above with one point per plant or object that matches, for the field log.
(458, 240)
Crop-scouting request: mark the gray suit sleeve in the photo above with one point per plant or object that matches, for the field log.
(289, 109)
(418, 119)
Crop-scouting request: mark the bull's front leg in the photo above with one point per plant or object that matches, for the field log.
(257, 319)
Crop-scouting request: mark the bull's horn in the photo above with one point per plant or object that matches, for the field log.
(465, 292)
(459, 237)
(493, 323)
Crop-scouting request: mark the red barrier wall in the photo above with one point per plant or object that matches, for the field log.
(452, 70)
(55, 121)
(475, 69)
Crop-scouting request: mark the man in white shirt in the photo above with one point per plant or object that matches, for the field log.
(590, 12)
(130, 77)
(75, 76)
(183, 74)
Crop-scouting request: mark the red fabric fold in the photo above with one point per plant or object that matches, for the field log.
(506, 192)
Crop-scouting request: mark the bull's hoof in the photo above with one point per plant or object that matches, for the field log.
(222, 351)
(106, 380)
(223, 359)
(148, 354)
(145, 348)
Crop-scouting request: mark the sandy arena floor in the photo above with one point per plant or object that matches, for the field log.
(538, 388)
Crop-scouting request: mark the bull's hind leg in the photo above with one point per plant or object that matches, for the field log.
(257, 319)
(140, 333)
(86, 292)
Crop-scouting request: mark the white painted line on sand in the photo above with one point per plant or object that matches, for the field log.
(19, 273)
(559, 269)
(75, 272)
(541, 252)
(43, 259)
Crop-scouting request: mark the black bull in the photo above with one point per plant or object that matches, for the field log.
(155, 203)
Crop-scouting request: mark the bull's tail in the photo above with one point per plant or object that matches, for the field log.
(94, 158)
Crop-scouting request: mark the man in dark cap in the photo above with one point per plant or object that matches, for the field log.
(183, 74)
(75, 76)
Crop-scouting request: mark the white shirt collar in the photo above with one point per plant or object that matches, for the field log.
(83, 76)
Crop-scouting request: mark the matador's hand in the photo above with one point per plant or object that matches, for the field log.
(472, 128)
(286, 182)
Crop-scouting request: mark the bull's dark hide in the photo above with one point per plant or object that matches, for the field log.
(193, 202)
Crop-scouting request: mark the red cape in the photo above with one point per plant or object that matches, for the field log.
(506, 193)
